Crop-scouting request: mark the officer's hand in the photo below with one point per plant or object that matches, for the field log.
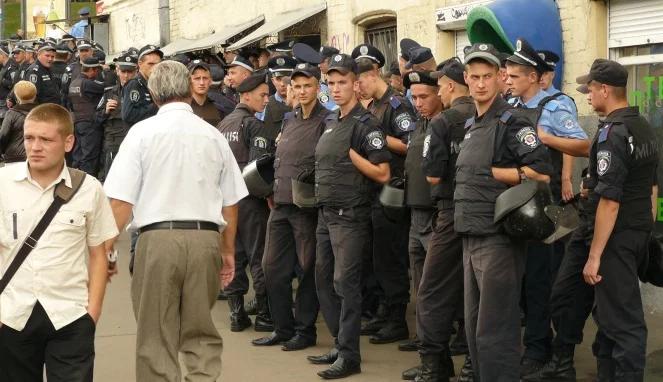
(228, 270)
(567, 190)
(591, 271)
(111, 105)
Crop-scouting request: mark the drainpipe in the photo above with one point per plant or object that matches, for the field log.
(164, 22)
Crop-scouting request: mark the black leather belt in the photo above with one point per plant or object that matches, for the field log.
(191, 225)
(444, 204)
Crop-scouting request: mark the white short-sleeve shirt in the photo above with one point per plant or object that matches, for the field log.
(55, 272)
(175, 166)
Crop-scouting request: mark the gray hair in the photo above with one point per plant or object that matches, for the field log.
(169, 81)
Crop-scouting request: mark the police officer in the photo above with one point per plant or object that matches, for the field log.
(548, 77)
(202, 105)
(555, 120)
(406, 45)
(499, 149)
(623, 159)
(440, 293)
(238, 70)
(11, 73)
(350, 155)
(291, 226)
(39, 73)
(245, 134)
(279, 68)
(137, 102)
(60, 63)
(5, 62)
(85, 92)
(73, 70)
(390, 256)
(326, 53)
(109, 113)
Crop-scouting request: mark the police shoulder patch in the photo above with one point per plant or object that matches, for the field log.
(134, 95)
(569, 123)
(33, 78)
(603, 159)
(404, 122)
(375, 140)
(527, 137)
(551, 105)
(604, 132)
(323, 97)
(260, 142)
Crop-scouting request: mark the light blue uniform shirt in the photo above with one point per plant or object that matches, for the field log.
(556, 118)
(324, 96)
(566, 100)
(78, 30)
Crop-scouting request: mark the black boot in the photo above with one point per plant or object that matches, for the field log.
(466, 372)
(411, 344)
(430, 369)
(251, 307)
(376, 323)
(411, 373)
(239, 320)
(605, 369)
(263, 322)
(559, 368)
(459, 345)
(396, 328)
(632, 376)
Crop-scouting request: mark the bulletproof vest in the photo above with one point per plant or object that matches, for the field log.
(57, 69)
(232, 128)
(384, 111)
(296, 150)
(83, 107)
(274, 113)
(338, 183)
(556, 156)
(455, 119)
(417, 189)
(476, 189)
(115, 129)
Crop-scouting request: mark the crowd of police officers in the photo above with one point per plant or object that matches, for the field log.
(456, 175)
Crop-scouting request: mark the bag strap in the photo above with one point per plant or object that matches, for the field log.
(61, 195)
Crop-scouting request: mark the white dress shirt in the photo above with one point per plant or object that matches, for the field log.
(175, 166)
(55, 272)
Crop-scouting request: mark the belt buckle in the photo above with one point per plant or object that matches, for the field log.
(30, 242)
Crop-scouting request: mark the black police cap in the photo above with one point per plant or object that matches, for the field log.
(68, 37)
(307, 70)
(149, 49)
(252, 82)
(217, 73)
(83, 44)
(343, 64)
(406, 45)
(370, 52)
(451, 68)
(394, 69)
(281, 64)
(127, 61)
(418, 55)
(63, 48)
(241, 61)
(182, 59)
(197, 64)
(304, 53)
(551, 58)
(91, 62)
(282, 46)
(606, 72)
(483, 51)
(526, 55)
(47, 46)
(328, 51)
(419, 78)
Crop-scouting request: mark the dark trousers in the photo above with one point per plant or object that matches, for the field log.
(440, 294)
(493, 268)
(68, 353)
(390, 256)
(249, 246)
(109, 150)
(421, 229)
(622, 331)
(87, 148)
(290, 249)
(341, 240)
(572, 298)
(537, 286)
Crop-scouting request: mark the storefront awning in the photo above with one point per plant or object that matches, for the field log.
(176, 46)
(278, 23)
(219, 37)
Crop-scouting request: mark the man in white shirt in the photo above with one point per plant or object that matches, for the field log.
(178, 176)
(50, 307)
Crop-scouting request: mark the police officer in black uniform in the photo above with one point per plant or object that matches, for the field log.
(291, 226)
(440, 295)
(279, 68)
(499, 149)
(390, 255)
(623, 159)
(39, 73)
(350, 156)
(247, 140)
(5, 62)
(60, 63)
(73, 70)
(85, 92)
(137, 103)
(11, 73)
(109, 113)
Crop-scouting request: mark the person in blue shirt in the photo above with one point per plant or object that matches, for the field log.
(78, 30)
(548, 77)
(557, 127)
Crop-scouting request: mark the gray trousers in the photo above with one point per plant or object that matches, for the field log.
(493, 267)
(173, 291)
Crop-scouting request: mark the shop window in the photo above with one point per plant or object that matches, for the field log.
(383, 37)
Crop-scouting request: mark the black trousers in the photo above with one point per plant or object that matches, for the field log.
(572, 298)
(68, 353)
(421, 230)
(440, 295)
(249, 246)
(341, 240)
(290, 249)
(493, 271)
(110, 147)
(390, 256)
(537, 286)
(622, 331)
(87, 148)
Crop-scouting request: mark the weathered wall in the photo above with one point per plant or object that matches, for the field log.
(132, 23)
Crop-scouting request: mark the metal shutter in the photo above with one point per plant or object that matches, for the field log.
(462, 40)
(635, 22)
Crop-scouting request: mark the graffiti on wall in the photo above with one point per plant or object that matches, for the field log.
(135, 28)
(341, 42)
